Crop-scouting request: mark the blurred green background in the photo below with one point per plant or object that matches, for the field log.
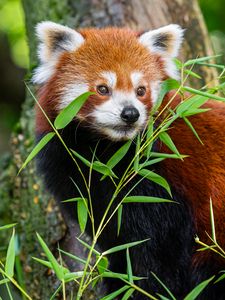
(14, 57)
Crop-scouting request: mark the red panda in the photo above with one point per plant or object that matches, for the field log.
(124, 69)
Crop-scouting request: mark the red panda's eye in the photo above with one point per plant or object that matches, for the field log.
(141, 90)
(103, 90)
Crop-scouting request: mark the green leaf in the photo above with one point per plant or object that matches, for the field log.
(74, 199)
(212, 221)
(150, 175)
(166, 86)
(129, 267)
(10, 257)
(82, 213)
(151, 162)
(120, 276)
(97, 165)
(222, 277)
(199, 60)
(167, 155)
(137, 152)
(164, 286)
(88, 246)
(128, 294)
(205, 94)
(8, 226)
(162, 297)
(145, 199)
(102, 265)
(198, 289)
(193, 129)
(74, 275)
(73, 257)
(192, 104)
(41, 144)
(113, 295)
(69, 112)
(84, 160)
(56, 267)
(149, 137)
(48, 264)
(103, 169)
(166, 139)
(119, 218)
(191, 73)
(119, 155)
(4, 281)
(212, 65)
(123, 247)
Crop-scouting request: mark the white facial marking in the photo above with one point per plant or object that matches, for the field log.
(72, 91)
(170, 47)
(136, 78)
(108, 120)
(110, 78)
(155, 88)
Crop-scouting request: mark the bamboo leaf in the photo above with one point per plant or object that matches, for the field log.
(145, 199)
(123, 247)
(118, 156)
(74, 200)
(205, 94)
(10, 256)
(82, 213)
(88, 246)
(128, 294)
(4, 281)
(166, 139)
(73, 257)
(150, 175)
(199, 60)
(222, 277)
(8, 226)
(119, 218)
(70, 111)
(103, 169)
(56, 267)
(212, 221)
(166, 86)
(191, 73)
(198, 289)
(102, 265)
(129, 267)
(109, 274)
(41, 144)
(48, 264)
(84, 160)
(193, 129)
(164, 286)
(113, 295)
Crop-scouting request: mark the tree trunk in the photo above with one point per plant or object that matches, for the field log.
(23, 196)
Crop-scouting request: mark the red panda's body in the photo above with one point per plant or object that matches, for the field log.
(125, 72)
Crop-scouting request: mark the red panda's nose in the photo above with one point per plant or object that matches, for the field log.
(130, 114)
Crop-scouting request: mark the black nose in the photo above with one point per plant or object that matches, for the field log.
(130, 114)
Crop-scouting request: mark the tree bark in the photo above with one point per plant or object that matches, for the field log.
(23, 198)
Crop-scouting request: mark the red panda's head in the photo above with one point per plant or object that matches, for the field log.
(123, 68)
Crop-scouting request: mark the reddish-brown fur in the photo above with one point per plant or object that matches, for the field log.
(102, 51)
(202, 174)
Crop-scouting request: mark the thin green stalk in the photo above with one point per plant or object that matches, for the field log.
(16, 284)
(8, 290)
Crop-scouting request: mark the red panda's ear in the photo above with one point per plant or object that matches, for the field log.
(165, 41)
(54, 39)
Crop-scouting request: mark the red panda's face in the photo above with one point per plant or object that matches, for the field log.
(123, 70)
